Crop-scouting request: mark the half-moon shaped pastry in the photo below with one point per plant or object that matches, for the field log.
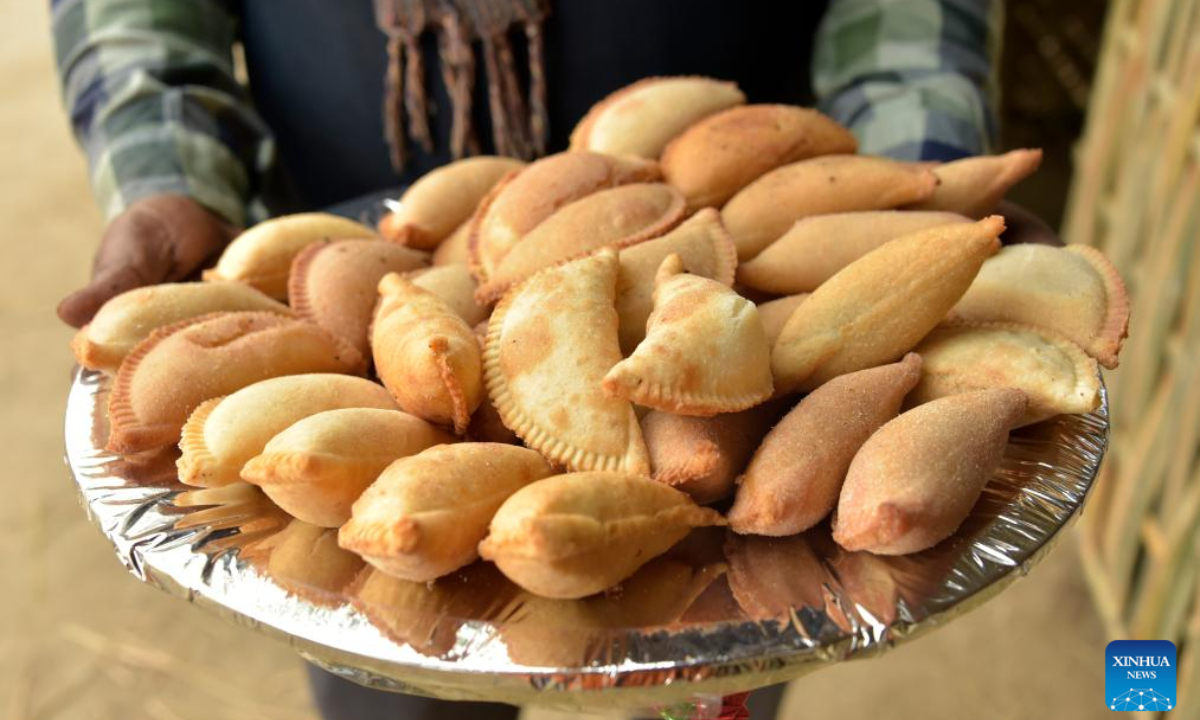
(521, 201)
(443, 199)
(333, 283)
(706, 250)
(723, 153)
(640, 119)
(916, 479)
(793, 480)
(617, 218)
(1057, 377)
(550, 342)
(764, 210)
(426, 355)
(974, 186)
(425, 515)
(570, 536)
(262, 255)
(1074, 291)
(306, 560)
(223, 434)
(881, 305)
(705, 350)
(318, 467)
(456, 249)
(169, 374)
(817, 247)
(775, 314)
(455, 285)
(129, 318)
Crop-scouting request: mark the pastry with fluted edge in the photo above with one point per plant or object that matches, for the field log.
(455, 285)
(974, 186)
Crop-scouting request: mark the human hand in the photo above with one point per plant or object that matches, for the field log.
(159, 238)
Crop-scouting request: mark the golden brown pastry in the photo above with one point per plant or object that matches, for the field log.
(1056, 376)
(775, 314)
(306, 561)
(917, 478)
(881, 305)
(443, 199)
(641, 118)
(705, 350)
(1074, 291)
(262, 255)
(318, 467)
(817, 247)
(456, 249)
(333, 283)
(425, 515)
(224, 433)
(178, 367)
(455, 285)
(425, 354)
(723, 153)
(764, 210)
(550, 342)
(793, 480)
(974, 186)
(617, 218)
(129, 318)
(706, 250)
(521, 201)
(570, 536)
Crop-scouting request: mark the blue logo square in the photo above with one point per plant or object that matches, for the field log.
(1139, 675)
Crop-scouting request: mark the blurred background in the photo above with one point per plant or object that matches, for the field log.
(1110, 90)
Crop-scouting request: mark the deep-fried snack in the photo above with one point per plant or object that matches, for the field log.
(974, 186)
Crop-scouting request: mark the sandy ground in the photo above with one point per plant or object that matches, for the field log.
(81, 639)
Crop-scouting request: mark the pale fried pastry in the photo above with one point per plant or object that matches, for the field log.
(306, 561)
(916, 479)
(705, 350)
(456, 286)
(1074, 291)
(224, 433)
(793, 481)
(817, 247)
(775, 313)
(570, 536)
(170, 373)
(456, 249)
(550, 342)
(262, 255)
(425, 354)
(641, 118)
(316, 468)
(425, 515)
(881, 305)
(723, 153)
(764, 210)
(974, 186)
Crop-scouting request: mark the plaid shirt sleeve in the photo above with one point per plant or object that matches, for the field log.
(152, 97)
(911, 78)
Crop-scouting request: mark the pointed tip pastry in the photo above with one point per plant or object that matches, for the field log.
(974, 186)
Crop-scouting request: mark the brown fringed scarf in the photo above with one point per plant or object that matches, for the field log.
(519, 124)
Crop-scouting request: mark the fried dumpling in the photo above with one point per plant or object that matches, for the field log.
(916, 479)
(1056, 376)
(570, 536)
(129, 318)
(425, 515)
(881, 305)
(455, 285)
(775, 313)
(793, 480)
(641, 118)
(521, 201)
(550, 342)
(456, 249)
(223, 434)
(425, 354)
(262, 255)
(318, 467)
(817, 247)
(974, 186)
(723, 153)
(706, 250)
(443, 199)
(169, 374)
(617, 217)
(333, 283)
(764, 210)
(1074, 291)
(705, 350)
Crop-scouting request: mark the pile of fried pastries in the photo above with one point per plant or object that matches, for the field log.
(706, 312)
